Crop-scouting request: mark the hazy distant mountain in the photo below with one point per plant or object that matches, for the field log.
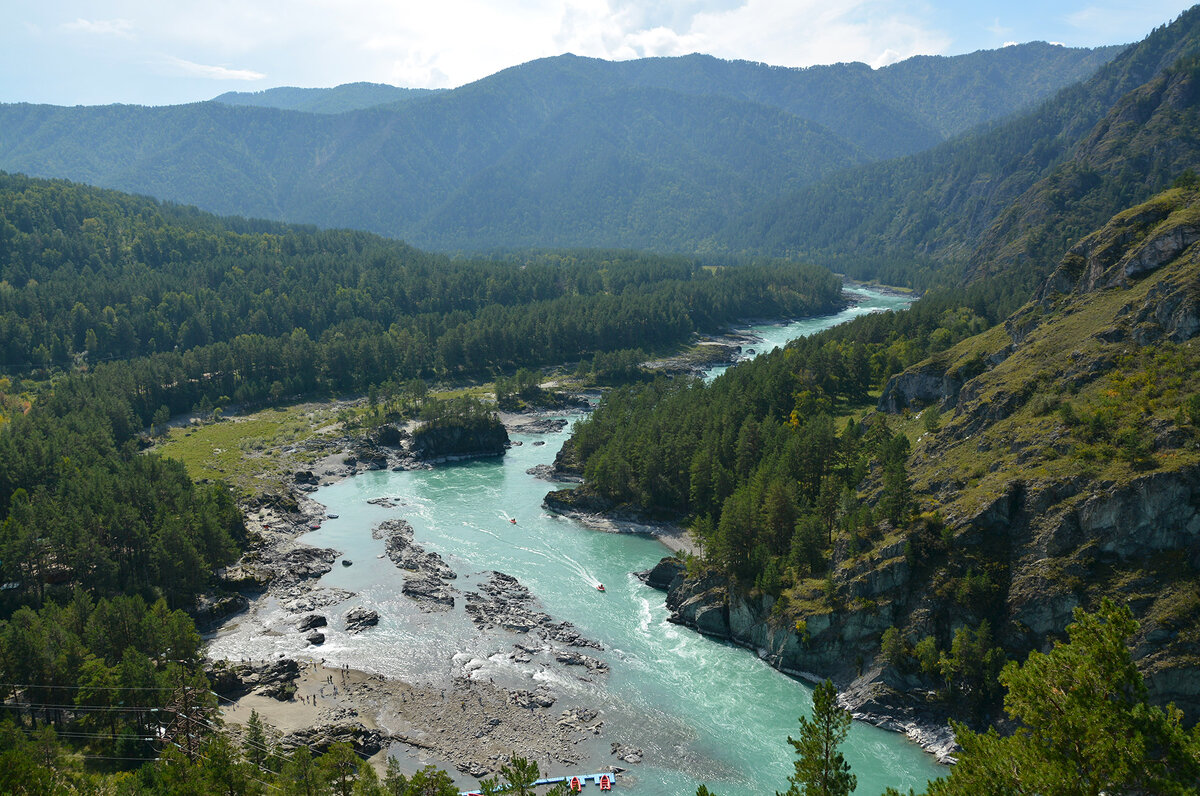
(658, 153)
(346, 97)
(898, 109)
(1012, 197)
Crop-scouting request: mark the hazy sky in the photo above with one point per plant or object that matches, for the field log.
(168, 51)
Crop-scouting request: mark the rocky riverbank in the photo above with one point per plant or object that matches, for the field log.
(600, 516)
(461, 716)
(465, 726)
(707, 605)
(466, 715)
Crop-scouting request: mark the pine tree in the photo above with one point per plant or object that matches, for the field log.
(301, 777)
(255, 742)
(1086, 727)
(821, 770)
(519, 775)
(340, 766)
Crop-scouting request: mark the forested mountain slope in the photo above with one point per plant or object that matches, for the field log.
(1028, 187)
(1034, 467)
(89, 275)
(1140, 146)
(894, 110)
(529, 155)
(346, 97)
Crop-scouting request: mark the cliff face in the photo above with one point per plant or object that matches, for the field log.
(1066, 469)
(837, 644)
(1071, 464)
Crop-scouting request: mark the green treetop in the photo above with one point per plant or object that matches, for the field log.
(821, 770)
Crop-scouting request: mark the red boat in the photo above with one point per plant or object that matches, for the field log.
(599, 587)
(513, 520)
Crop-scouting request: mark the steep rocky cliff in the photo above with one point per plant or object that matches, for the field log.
(1070, 468)
(1066, 468)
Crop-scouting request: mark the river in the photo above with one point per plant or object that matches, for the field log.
(701, 710)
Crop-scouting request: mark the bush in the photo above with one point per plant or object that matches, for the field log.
(894, 648)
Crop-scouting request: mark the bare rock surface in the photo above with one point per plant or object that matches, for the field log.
(359, 619)
(502, 601)
(267, 678)
(315, 599)
(426, 575)
(319, 738)
(312, 622)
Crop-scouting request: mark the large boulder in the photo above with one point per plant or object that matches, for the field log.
(313, 621)
(664, 573)
(359, 619)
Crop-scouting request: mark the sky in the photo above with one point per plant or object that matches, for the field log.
(160, 52)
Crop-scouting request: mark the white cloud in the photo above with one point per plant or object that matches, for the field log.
(452, 42)
(783, 32)
(808, 32)
(214, 72)
(102, 27)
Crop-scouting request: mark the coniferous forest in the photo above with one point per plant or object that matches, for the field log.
(983, 509)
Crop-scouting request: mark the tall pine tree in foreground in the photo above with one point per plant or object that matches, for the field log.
(820, 769)
(1087, 727)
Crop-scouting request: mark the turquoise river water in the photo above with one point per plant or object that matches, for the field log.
(702, 710)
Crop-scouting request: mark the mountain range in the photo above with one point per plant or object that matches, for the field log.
(1012, 197)
(657, 153)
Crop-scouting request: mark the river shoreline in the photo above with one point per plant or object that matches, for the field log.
(928, 730)
(455, 718)
(372, 700)
(465, 727)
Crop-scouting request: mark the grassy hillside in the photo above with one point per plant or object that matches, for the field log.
(1069, 469)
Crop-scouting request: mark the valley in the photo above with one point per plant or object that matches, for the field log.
(651, 668)
(290, 504)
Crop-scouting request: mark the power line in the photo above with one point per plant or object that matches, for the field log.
(90, 687)
(109, 736)
(206, 759)
(81, 708)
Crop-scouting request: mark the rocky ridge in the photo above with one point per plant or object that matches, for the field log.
(1019, 493)
(502, 601)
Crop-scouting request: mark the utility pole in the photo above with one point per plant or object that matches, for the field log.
(189, 718)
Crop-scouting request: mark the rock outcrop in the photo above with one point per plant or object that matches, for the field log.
(312, 622)
(365, 741)
(212, 609)
(665, 574)
(275, 679)
(502, 601)
(426, 575)
(920, 387)
(470, 437)
(359, 619)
